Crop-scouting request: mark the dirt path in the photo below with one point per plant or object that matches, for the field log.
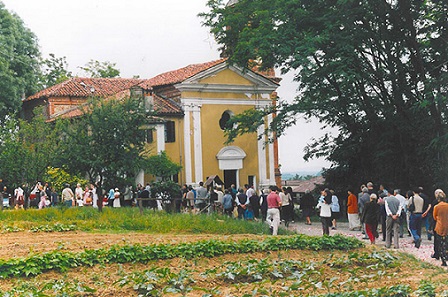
(423, 253)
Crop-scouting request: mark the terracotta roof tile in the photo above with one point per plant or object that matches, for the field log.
(106, 87)
(303, 185)
(179, 75)
(85, 87)
(161, 106)
(166, 106)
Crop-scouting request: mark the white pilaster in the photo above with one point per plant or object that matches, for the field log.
(160, 128)
(271, 154)
(197, 138)
(262, 168)
(187, 145)
(140, 178)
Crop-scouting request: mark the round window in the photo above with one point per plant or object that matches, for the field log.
(224, 120)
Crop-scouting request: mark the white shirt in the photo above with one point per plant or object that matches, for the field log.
(403, 201)
(325, 209)
(18, 192)
(285, 199)
(79, 193)
(220, 196)
(250, 192)
(389, 212)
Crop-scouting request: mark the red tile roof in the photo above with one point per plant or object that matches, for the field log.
(162, 106)
(303, 185)
(179, 75)
(85, 87)
(166, 106)
(105, 87)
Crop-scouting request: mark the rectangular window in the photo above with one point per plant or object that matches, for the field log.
(170, 132)
(251, 180)
(149, 136)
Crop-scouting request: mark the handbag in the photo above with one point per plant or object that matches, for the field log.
(235, 212)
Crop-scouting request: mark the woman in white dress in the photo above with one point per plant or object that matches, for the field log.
(94, 195)
(117, 198)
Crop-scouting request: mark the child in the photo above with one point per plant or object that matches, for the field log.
(249, 212)
(43, 201)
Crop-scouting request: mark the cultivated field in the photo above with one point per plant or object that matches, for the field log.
(80, 252)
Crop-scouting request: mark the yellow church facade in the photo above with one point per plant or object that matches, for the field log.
(193, 104)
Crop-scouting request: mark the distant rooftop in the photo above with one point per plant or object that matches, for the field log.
(300, 186)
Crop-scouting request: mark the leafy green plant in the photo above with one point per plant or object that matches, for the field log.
(11, 229)
(426, 289)
(156, 281)
(58, 177)
(59, 260)
(55, 228)
(58, 288)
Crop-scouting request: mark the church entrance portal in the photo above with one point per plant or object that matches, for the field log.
(230, 178)
(230, 160)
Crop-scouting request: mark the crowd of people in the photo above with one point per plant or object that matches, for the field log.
(43, 195)
(243, 203)
(389, 212)
(374, 212)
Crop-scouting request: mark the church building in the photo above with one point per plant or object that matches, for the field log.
(194, 104)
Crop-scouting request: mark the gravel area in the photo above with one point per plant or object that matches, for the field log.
(405, 243)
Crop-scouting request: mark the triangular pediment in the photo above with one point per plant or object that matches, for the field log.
(224, 76)
(227, 77)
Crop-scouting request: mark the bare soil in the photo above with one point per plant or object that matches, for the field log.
(21, 244)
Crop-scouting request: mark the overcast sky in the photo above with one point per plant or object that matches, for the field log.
(145, 38)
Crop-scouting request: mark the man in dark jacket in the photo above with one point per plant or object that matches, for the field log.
(306, 205)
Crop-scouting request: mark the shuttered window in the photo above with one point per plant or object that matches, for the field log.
(149, 136)
(170, 132)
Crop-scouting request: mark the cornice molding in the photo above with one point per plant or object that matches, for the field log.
(193, 102)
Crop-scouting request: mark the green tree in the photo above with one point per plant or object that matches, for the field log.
(169, 192)
(376, 70)
(161, 166)
(28, 148)
(105, 69)
(54, 71)
(58, 177)
(106, 142)
(19, 62)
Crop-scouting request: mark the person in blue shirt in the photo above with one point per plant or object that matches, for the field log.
(335, 209)
(227, 203)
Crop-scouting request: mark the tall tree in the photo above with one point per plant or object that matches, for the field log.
(107, 141)
(19, 62)
(376, 70)
(162, 166)
(54, 71)
(106, 69)
(27, 149)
